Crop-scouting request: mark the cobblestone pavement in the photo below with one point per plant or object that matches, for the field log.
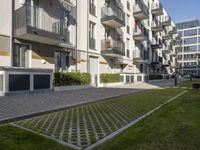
(28, 104)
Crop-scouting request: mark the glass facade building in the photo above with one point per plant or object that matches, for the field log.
(189, 54)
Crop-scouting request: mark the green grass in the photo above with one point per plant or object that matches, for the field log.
(175, 127)
(188, 83)
(12, 138)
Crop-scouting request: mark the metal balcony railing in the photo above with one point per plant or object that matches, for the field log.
(114, 45)
(140, 8)
(156, 6)
(113, 11)
(38, 18)
(140, 30)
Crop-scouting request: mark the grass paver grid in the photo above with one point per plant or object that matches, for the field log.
(85, 125)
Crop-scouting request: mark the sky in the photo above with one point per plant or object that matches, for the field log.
(182, 9)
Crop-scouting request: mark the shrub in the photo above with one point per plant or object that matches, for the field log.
(109, 78)
(155, 77)
(71, 78)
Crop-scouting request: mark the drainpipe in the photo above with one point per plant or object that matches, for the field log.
(76, 67)
(88, 36)
(12, 30)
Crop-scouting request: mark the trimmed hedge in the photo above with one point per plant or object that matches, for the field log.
(109, 78)
(155, 77)
(71, 78)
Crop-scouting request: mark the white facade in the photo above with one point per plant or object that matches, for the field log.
(96, 36)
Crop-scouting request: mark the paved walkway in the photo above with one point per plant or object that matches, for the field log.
(29, 104)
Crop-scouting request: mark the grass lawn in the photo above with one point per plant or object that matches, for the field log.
(174, 127)
(12, 138)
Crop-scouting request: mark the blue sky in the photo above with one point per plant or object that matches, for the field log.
(182, 9)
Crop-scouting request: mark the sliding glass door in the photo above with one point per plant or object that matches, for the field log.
(20, 56)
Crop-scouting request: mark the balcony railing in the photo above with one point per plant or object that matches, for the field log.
(166, 20)
(113, 16)
(141, 11)
(112, 47)
(156, 44)
(140, 55)
(140, 33)
(157, 8)
(37, 18)
(156, 25)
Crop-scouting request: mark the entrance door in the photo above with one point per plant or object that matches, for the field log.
(94, 70)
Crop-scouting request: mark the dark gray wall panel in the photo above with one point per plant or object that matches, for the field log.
(19, 82)
(41, 82)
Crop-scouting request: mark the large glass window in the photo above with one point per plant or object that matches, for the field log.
(190, 40)
(190, 48)
(62, 61)
(190, 32)
(20, 57)
(180, 33)
(199, 31)
(188, 25)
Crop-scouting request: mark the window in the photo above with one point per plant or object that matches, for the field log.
(188, 25)
(92, 41)
(92, 7)
(20, 57)
(128, 51)
(180, 33)
(190, 32)
(190, 48)
(62, 61)
(128, 5)
(199, 31)
(190, 40)
(128, 23)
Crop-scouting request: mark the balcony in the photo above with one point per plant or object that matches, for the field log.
(156, 26)
(113, 17)
(166, 35)
(157, 61)
(112, 48)
(140, 11)
(156, 44)
(157, 8)
(174, 42)
(167, 49)
(140, 55)
(172, 30)
(34, 24)
(140, 33)
(166, 20)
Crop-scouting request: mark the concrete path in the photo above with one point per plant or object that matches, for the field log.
(20, 106)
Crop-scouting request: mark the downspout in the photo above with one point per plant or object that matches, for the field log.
(88, 37)
(76, 67)
(11, 31)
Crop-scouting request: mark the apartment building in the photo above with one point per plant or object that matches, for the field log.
(130, 37)
(189, 53)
